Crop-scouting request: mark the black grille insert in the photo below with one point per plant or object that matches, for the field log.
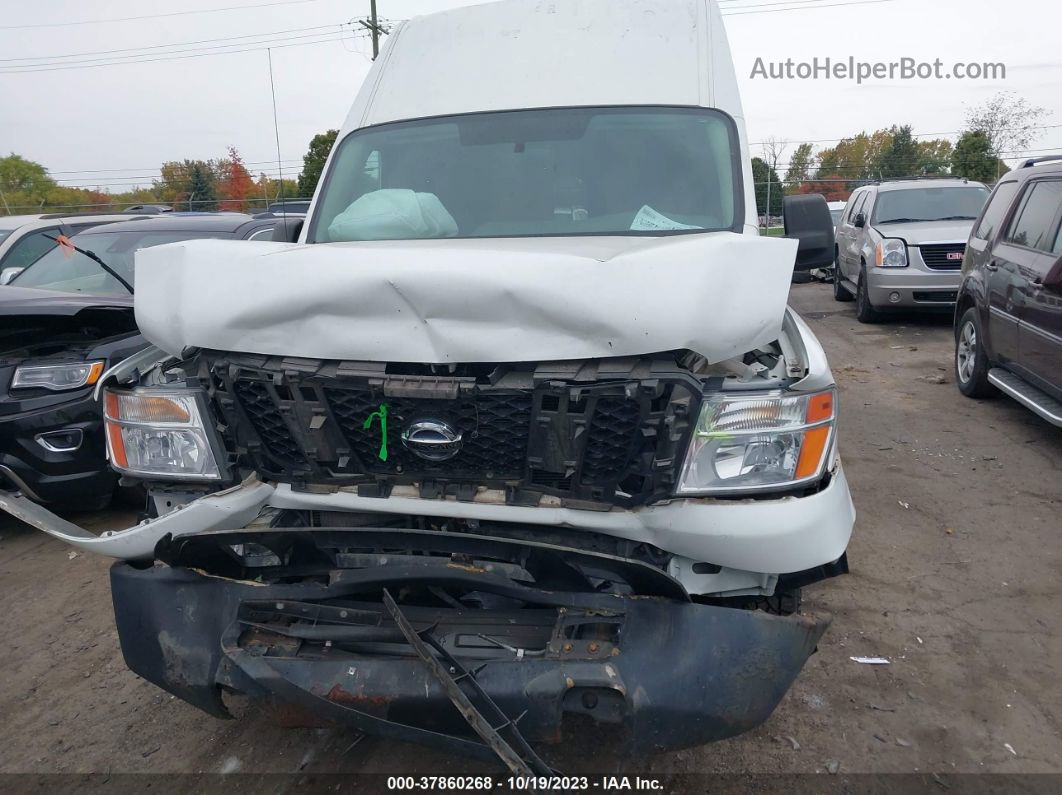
(943, 257)
(268, 422)
(494, 429)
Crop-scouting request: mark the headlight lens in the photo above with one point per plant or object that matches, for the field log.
(158, 433)
(746, 443)
(892, 253)
(57, 377)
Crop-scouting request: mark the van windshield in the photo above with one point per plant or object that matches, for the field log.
(569, 171)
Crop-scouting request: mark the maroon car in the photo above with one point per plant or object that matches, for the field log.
(1008, 320)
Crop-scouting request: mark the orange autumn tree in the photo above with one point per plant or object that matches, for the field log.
(236, 184)
(835, 188)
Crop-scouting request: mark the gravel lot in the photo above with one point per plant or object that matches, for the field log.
(956, 578)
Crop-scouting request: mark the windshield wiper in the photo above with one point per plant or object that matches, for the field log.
(903, 221)
(92, 255)
(959, 218)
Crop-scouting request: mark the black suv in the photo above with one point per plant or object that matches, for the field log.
(64, 320)
(1008, 320)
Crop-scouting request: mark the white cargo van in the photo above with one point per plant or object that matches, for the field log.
(516, 424)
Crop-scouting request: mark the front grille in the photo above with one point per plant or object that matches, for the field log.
(614, 440)
(268, 422)
(937, 257)
(608, 446)
(494, 431)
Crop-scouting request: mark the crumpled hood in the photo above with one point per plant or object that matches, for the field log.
(928, 232)
(479, 300)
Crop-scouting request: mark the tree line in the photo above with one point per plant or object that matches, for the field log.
(1001, 128)
(224, 183)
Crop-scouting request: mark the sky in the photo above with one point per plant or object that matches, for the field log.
(111, 126)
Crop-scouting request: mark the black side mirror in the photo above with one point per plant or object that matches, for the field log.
(808, 220)
(860, 221)
(287, 230)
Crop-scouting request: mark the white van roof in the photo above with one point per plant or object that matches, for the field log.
(551, 53)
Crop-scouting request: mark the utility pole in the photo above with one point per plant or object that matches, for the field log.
(767, 215)
(373, 26)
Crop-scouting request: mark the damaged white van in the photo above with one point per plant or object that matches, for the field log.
(515, 431)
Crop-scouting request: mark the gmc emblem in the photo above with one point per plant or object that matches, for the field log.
(955, 255)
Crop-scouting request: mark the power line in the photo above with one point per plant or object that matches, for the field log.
(1006, 155)
(803, 8)
(326, 38)
(164, 46)
(138, 57)
(913, 135)
(765, 5)
(140, 179)
(155, 16)
(148, 168)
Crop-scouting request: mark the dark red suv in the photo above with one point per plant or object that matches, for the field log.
(1008, 319)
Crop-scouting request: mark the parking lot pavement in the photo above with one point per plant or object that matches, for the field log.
(955, 580)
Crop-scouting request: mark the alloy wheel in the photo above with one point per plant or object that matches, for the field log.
(966, 352)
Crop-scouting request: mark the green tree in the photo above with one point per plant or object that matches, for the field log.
(974, 158)
(799, 168)
(202, 187)
(935, 156)
(313, 162)
(24, 184)
(761, 174)
(854, 158)
(900, 156)
(23, 176)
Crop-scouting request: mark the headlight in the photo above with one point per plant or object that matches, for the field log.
(57, 377)
(746, 443)
(892, 253)
(159, 433)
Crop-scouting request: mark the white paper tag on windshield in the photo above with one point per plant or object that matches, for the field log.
(649, 220)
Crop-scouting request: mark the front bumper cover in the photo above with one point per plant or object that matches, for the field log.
(780, 536)
(78, 478)
(667, 674)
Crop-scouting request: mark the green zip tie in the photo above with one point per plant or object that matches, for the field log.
(381, 414)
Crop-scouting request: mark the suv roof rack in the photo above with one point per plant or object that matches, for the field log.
(919, 178)
(50, 216)
(1035, 161)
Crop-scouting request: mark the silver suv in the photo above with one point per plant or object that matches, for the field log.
(900, 245)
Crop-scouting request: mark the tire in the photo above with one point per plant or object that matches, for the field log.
(865, 311)
(840, 292)
(971, 360)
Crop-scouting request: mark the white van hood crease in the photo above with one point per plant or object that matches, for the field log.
(464, 301)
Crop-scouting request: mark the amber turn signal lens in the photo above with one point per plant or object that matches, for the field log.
(811, 452)
(820, 407)
(114, 431)
(131, 407)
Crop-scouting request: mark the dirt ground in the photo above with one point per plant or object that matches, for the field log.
(956, 579)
